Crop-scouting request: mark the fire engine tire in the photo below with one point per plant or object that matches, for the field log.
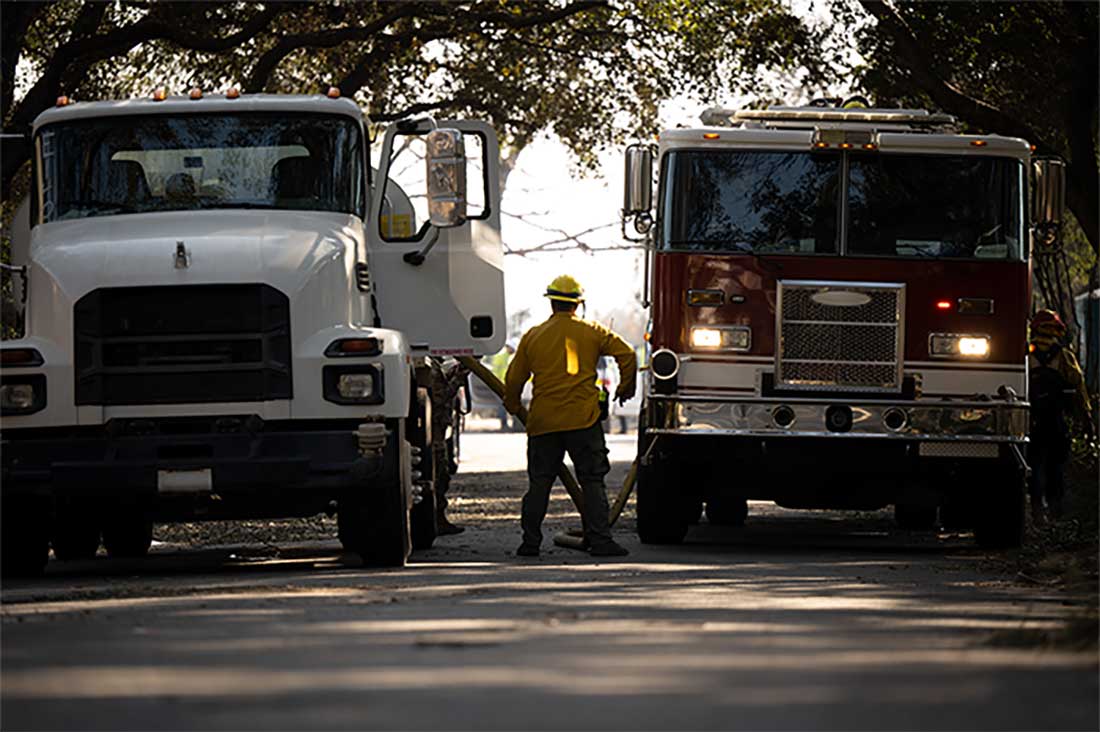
(127, 533)
(24, 537)
(727, 510)
(374, 523)
(915, 518)
(1000, 520)
(663, 513)
(75, 532)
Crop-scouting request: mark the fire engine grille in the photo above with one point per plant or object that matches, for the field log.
(839, 336)
(182, 344)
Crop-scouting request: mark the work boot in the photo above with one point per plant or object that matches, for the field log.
(610, 549)
(527, 550)
(443, 527)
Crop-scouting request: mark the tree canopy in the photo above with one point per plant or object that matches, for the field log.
(590, 71)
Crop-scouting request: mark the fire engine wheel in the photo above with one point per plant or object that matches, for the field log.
(915, 518)
(127, 533)
(374, 523)
(727, 510)
(418, 432)
(24, 537)
(1000, 519)
(75, 531)
(663, 512)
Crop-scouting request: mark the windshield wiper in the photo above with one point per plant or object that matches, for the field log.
(920, 251)
(236, 204)
(115, 205)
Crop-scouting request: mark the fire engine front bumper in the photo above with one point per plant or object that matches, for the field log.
(969, 421)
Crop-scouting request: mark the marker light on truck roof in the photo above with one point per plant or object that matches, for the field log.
(333, 92)
(160, 94)
(196, 93)
(233, 93)
(979, 143)
(821, 145)
(62, 101)
(710, 135)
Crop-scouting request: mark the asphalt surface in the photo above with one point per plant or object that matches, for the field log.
(800, 620)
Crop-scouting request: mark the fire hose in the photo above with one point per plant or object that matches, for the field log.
(574, 538)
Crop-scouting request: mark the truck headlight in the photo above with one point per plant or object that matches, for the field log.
(353, 384)
(23, 394)
(722, 338)
(957, 345)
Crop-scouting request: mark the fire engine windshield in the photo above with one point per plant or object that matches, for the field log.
(764, 202)
(950, 206)
(120, 165)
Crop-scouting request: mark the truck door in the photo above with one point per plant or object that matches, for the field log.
(443, 287)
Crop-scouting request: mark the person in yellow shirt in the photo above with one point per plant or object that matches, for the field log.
(561, 354)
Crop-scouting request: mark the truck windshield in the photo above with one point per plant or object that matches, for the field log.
(765, 202)
(117, 165)
(941, 206)
(935, 206)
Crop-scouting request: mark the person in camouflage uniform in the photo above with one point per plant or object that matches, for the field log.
(448, 378)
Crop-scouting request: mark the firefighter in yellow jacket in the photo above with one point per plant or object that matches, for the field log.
(564, 416)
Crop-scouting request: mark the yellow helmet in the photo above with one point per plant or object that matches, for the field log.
(565, 288)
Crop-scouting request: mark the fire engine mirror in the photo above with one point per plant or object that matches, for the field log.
(1048, 202)
(446, 178)
(638, 183)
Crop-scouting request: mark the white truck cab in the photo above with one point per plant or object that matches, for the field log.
(223, 321)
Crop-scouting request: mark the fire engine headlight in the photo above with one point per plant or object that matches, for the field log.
(954, 345)
(360, 384)
(724, 338)
(23, 395)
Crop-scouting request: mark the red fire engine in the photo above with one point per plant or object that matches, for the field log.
(839, 303)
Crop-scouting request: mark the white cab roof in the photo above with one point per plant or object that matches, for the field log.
(213, 103)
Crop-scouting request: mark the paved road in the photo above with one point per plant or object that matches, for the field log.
(797, 621)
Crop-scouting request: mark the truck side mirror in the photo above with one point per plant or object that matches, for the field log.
(638, 189)
(638, 183)
(446, 177)
(1048, 197)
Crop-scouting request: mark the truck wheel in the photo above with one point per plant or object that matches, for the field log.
(422, 518)
(727, 510)
(374, 523)
(915, 518)
(663, 514)
(1000, 519)
(24, 537)
(75, 531)
(127, 533)
(418, 431)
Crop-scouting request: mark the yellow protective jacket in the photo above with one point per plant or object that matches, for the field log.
(562, 354)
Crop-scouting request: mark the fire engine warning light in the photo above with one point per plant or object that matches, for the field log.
(943, 305)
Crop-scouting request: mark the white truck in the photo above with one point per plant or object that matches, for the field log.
(225, 311)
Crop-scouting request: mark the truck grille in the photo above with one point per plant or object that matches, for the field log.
(182, 344)
(839, 336)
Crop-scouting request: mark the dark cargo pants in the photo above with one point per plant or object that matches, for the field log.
(545, 453)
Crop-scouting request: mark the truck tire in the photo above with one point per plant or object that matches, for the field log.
(914, 518)
(24, 537)
(75, 531)
(127, 533)
(418, 431)
(725, 510)
(374, 523)
(663, 514)
(1000, 519)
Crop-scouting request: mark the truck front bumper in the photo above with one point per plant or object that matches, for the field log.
(244, 456)
(939, 421)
